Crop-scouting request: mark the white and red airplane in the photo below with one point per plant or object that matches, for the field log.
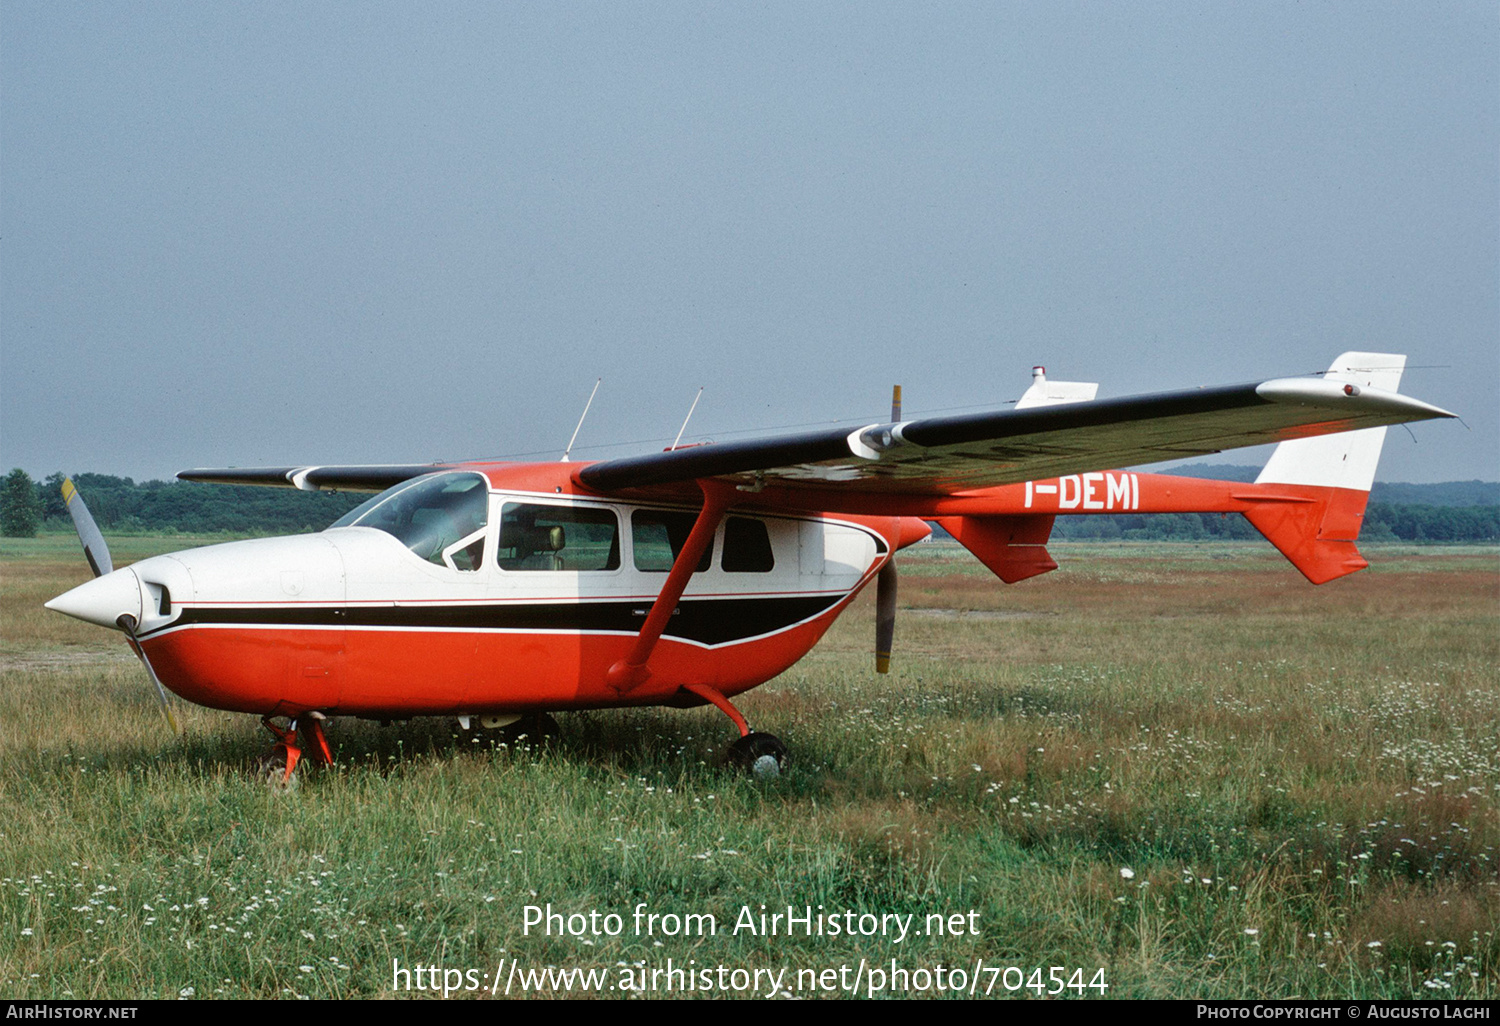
(499, 591)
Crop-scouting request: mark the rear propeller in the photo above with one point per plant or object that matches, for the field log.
(885, 614)
(885, 583)
(97, 553)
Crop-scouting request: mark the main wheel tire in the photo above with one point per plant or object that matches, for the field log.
(270, 770)
(763, 756)
(533, 731)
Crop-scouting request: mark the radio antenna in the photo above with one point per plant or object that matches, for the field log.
(586, 406)
(687, 418)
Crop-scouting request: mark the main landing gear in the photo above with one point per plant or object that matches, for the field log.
(532, 730)
(276, 769)
(763, 756)
(535, 730)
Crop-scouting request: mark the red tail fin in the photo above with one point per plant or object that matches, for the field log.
(1328, 479)
(1014, 547)
(1317, 533)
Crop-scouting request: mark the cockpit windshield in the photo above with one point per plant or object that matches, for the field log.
(440, 517)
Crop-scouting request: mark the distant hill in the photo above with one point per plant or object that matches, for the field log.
(1217, 471)
(1446, 493)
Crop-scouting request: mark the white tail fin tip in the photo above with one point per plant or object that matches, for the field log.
(1345, 460)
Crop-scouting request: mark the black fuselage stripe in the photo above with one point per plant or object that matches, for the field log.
(708, 622)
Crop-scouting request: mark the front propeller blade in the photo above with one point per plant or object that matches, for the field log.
(96, 600)
(94, 549)
(885, 615)
(128, 623)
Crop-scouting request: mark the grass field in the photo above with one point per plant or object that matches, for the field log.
(1181, 765)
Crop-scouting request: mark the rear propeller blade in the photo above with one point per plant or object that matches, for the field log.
(885, 584)
(885, 615)
(94, 549)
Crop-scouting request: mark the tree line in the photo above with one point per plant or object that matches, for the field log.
(123, 505)
(120, 504)
(1384, 521)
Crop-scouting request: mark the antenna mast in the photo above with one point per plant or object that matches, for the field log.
(586, 406)
(688, 417)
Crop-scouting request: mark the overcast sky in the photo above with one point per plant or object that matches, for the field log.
(281, 233)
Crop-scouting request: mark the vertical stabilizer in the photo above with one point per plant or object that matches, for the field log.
(1333, 475)
(1052, 393)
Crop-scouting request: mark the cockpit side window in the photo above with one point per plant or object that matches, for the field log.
(441, 518)
(539, 537)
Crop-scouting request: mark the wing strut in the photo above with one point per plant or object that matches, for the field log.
(632, 671)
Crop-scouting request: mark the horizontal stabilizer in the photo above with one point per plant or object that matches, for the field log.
(1013, 547)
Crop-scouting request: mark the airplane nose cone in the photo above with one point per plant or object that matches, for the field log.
(103, 600)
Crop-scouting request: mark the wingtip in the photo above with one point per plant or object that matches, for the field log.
(1338, 394)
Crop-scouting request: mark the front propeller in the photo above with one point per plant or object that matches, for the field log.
(111, 590)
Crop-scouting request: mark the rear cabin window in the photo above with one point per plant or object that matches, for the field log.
(537, 537)
(657, 537)
(747, 547)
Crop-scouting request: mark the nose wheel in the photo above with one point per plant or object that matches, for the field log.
(277, 768)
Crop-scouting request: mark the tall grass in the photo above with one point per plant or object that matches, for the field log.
(1182, 765)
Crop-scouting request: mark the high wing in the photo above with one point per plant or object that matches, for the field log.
(943, 456)
(950, 455)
